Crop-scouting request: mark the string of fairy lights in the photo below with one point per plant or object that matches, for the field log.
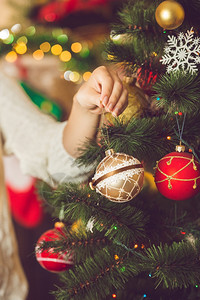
(77, 58)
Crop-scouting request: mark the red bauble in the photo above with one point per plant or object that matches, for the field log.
(177, 176)
(146, 79)
(49, 259)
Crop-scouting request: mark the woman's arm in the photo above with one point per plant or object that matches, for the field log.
(45, 148)
(104, 90)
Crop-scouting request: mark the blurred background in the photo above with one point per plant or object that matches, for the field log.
(50, 48)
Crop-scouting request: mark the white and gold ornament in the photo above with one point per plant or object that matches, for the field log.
(119, 177)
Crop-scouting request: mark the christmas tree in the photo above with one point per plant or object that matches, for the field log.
(123, 240)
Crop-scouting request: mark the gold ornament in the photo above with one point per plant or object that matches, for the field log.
(119, 177)
(170, 14)
(137, 101)
(78, 228)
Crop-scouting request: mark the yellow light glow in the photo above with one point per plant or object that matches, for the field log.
(110, 57)
(76, 47)
(45, 47)
(169, 137)
(38, 54)
(11, 56)
(74, 76)
(65, 56)
(22, 39)
(21, 48)
(86, 76)
(56, 49)
(116, 257)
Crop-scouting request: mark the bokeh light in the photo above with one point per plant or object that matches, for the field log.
(65, 56)
(45, 47)
(66, 75)
(30, 30)
(63, 38)
(9, 40)
(56, 49)
(4, 34)
(38, 54)
(50, 17)
(20, 48)
(16, 28)
(86, 76)
(76, 47)
(11, 56)
(22, 39)
(74, 76)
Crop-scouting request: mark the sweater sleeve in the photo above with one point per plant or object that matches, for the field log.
(35, 138)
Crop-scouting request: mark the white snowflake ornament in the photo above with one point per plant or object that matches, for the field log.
(182, 53)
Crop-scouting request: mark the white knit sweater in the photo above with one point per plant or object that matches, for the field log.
(35, 138)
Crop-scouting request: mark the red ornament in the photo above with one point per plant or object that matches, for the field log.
(177, 176)
(49, 259)
(146, 79)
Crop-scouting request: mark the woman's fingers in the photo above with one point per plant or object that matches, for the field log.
(105, 90)
(104, 83)
(121, 104)
(115, 95)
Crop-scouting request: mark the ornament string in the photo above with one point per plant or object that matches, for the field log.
(189, 146)
(106, 139)
(180, 129)
(180, 134)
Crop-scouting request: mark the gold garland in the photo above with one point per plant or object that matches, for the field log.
(170, 177)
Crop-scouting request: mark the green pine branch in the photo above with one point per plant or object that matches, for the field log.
(175, 266)
(145, 139)
(178, 91)
(126, 224)
(96, 277)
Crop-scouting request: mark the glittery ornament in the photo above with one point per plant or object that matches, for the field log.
(177, 175)
(170, 14)
(119, 177)
(49, 259)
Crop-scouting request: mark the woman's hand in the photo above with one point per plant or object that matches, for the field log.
(103, 90)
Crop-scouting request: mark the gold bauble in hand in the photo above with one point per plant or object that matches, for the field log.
(170, 14)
